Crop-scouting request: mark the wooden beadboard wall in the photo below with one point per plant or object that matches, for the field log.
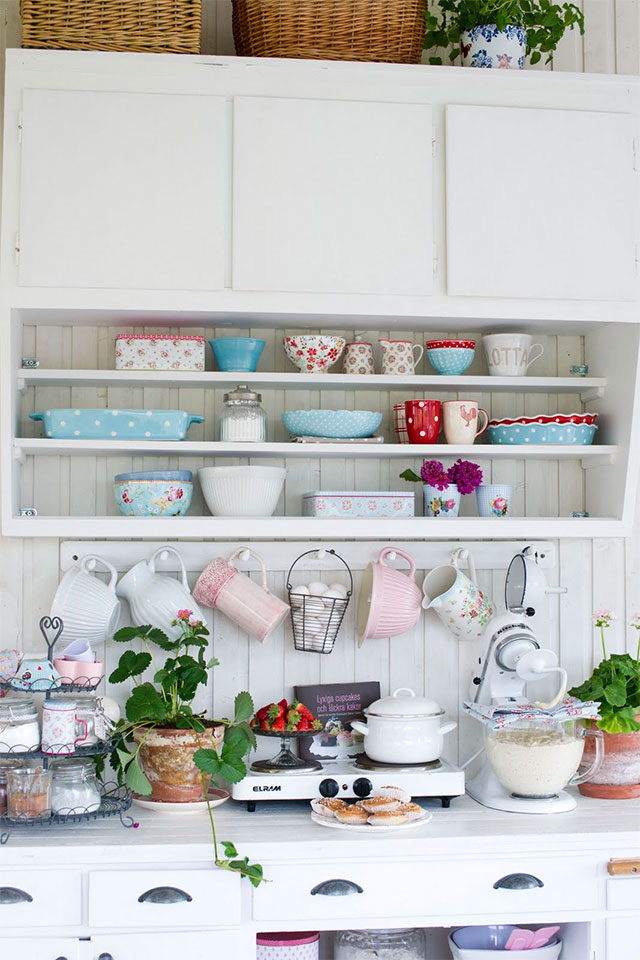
(599, 573)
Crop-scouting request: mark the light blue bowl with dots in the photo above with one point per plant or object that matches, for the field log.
(450, 361)
(336, 424)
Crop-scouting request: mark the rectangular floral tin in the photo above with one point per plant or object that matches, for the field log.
(144, 351)
(358, 503)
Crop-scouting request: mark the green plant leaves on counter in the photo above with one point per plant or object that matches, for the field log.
(615, 685)
(145, 703)
(131, 664)
(243, 706)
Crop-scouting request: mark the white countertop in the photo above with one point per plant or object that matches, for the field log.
(283, 830)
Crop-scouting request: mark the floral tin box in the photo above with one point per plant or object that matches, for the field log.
(158, 352)
(358, 503)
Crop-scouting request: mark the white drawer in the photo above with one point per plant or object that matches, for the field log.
(623, 893)
(431, 888)
(39, 948)
(163, 946)
(40, 898)
(164, 898)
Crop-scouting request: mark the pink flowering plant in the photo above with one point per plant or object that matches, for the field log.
(614, 683)
(464, 474)
(167, 702)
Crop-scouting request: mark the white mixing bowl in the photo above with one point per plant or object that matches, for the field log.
(242, 491)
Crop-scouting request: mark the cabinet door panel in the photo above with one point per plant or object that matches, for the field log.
(122, 190)
(209, 945)
(623, 936)
(332, 197)
(32, 948)
(540, 203)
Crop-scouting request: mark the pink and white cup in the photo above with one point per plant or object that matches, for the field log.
(60, 725)
(463, 421)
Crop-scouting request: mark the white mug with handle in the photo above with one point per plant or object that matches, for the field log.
(510, 354)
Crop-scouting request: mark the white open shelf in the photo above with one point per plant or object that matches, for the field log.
(313, 528)
(26, 446)
(586, 387)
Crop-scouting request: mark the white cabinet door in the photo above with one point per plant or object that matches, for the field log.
(209, 945)
(540, 204)
(123, 190)
(47, 948)
(332, 196)
(623, 937)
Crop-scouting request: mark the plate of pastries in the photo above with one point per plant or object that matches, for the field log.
(389, 808)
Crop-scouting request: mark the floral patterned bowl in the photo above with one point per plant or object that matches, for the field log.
(313, 354)
(137, 497)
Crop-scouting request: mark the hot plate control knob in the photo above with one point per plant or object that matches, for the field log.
(362, 787)
(329, 788)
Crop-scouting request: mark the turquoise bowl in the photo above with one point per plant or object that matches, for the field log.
(237, 354)
(580, 434)
(153, 498)
(450, 361)
(336, 424)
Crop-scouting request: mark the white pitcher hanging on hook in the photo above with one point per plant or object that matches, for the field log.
(458, 600)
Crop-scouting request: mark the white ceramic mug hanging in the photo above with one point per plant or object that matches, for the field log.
(487, 47)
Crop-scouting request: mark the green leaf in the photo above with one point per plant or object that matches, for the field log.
(124, 757)
(248, 734)
(229, 849)
(410, 475)
(616, 693)
(535, 57)
(145, 703)
(243, 706)
(131, 664)
(127, 634)
(161, 639)
(213, 662)
(136, 780)
(235, 744)
(230, 768)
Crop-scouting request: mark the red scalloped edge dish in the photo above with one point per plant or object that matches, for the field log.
(561, 418)
(438, 344)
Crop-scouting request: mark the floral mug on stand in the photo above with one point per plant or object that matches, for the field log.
(358, 358)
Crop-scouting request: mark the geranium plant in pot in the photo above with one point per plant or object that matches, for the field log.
(166, 751)
(615, 683)
(499, 33)
(443, 488)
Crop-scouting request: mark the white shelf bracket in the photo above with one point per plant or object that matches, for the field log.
(21, 385)
(593, 393)
(19, 456)
(604, 461)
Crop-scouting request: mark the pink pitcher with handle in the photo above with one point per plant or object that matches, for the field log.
(251, 606)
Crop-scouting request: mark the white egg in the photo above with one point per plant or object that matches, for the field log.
(317, 588)
(301, 590)
(330, 597)
(338, 588)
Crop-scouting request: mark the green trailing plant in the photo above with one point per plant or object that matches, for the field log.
(615, 683)
(544, 21)
(167, 703)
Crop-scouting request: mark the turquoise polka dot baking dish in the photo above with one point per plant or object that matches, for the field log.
(560, 428)
(101, 424)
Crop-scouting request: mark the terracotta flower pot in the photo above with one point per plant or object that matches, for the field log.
(166, 757)
(619, 776)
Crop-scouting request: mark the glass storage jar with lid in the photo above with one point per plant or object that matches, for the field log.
(89, 708)
(242, 418)
(74, 786)
(402, 944)
(19, 727)
(6, 765)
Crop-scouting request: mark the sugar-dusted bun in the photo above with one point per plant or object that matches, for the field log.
(413, 810)
(352, 814)
(376, 804)
(328, 806)
(388, 818)
(396, 793)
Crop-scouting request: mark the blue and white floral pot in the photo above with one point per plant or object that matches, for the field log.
(441, 503)
(486, 46)
(494, 499)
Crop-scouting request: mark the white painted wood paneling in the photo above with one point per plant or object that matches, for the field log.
(147, 220)
(291, 155)
(577, 227)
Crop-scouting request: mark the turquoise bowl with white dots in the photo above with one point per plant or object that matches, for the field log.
(100, 424)
(450, 361)
(334, 424)
(580, 434)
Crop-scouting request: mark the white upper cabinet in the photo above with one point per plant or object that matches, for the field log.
(540, 203)
(332, 196)
(123, 190)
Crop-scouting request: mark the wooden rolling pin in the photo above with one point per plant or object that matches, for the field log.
(624, 868)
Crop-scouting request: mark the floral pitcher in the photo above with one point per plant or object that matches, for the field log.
(398, 356)
(458, 600)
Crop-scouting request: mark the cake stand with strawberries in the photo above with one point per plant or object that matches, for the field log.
(287, 721)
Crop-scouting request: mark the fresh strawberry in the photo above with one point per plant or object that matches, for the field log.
(316, 724)
(263, 713)
(293, 719)
(305, 712)
(304, 724)
(264, 725)
(279, 725)
(284, 706)
(275, 711)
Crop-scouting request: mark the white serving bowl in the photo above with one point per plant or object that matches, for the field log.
(242, 491)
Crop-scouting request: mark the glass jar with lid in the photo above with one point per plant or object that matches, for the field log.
(74, 786)
(90, 709)
(6, 765)
(402, 944)
(242, 418)
(19, 727)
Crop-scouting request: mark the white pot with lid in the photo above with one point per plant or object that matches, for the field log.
(404, 728)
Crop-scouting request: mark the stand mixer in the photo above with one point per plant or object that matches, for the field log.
(513, 658)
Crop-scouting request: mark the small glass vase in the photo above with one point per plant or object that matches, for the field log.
(441, 503)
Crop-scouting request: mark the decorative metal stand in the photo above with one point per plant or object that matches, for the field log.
(285, 761)
(115, 799)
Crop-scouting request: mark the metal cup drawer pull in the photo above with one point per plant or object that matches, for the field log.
(14, 895)
(165, 895)
(336, 888)
(518, 881)
(105, 956)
